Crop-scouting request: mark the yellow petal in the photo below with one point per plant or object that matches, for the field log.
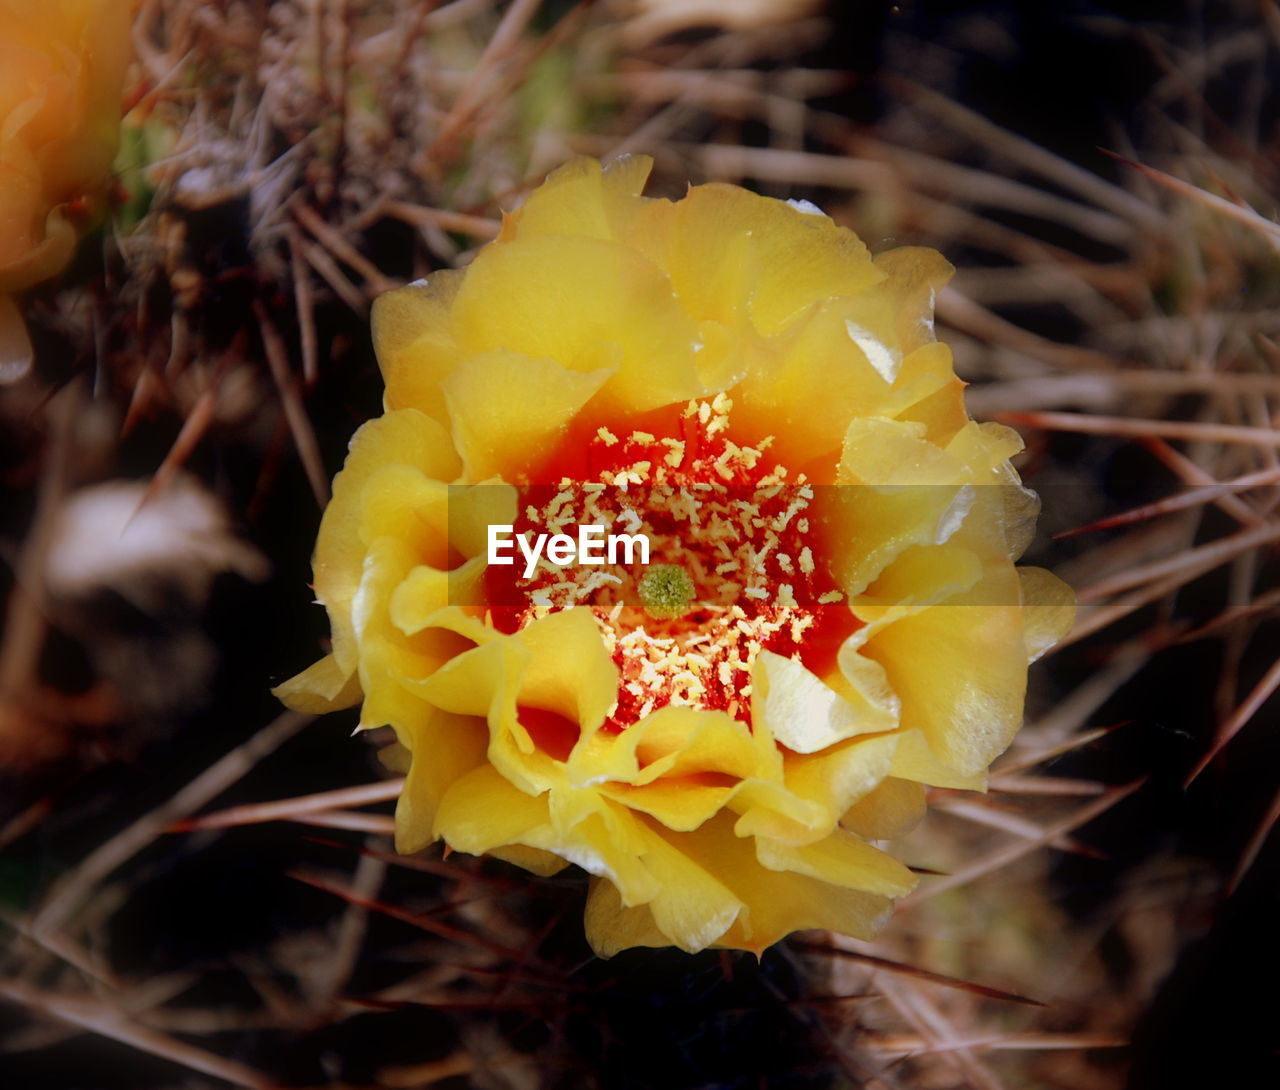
(473, 509)
(774, 903)
(777, 905)
(839, 777)
(581, 198)
(401, 501)
(804, 714)
(915, 761)
(913, 277)
(774, 811)
(320, 688)
(631, 324)
(603, 839)
(539, 398)
(471, 682)
(681, 741)
(1048, 610)
(61, 70)
(542, 863)
(679, 802)
(865, 686)
(568, 670)
(841, 859)
(483, 810)
(879, 452)
(405, 438)
(734, 255)
(389, 664)
(693, 907)
(445, 748)
(412, 333)
(887, 523)
(959, 669)
(612, 926)
(829, 368)
(417, 598)
(890, 809)
(919, 576)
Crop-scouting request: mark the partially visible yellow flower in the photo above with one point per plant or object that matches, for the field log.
(62, 65)
(831, 620)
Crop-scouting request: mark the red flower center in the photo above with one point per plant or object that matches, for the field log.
(722, 513)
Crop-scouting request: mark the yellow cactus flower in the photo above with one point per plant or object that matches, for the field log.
(62, 65)
(828, 617)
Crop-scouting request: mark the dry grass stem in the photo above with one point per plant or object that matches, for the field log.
(108, 1022)
(1243, 714)
(252, 813)
(69, 893)
(1003, 857)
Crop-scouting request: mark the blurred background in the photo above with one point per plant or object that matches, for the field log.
(198, 889)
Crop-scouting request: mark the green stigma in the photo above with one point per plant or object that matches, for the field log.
(666, 591)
